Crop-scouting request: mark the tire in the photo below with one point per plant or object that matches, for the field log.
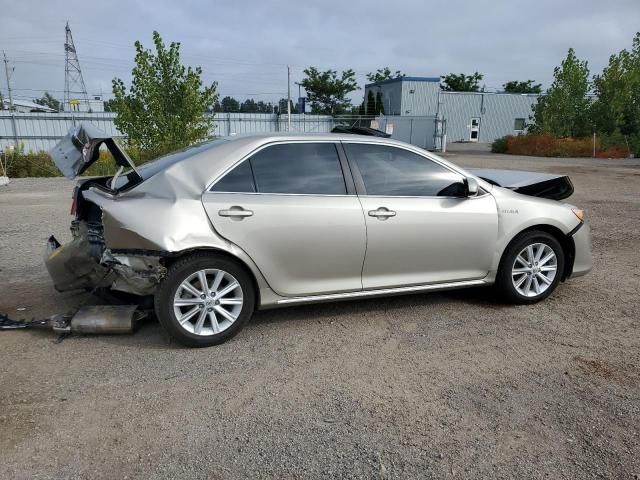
(213, 319)
(515, 268)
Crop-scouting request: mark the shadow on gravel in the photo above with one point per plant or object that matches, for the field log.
(470, 296)
(150, 335)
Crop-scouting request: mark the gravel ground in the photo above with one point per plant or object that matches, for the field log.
(441, 385)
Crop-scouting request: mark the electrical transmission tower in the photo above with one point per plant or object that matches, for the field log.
(75, 90)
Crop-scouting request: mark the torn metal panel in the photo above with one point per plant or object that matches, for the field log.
(137, 274)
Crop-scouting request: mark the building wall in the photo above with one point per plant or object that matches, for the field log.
(497, 113)
(419, 98)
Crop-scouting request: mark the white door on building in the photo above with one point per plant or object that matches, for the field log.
(474, 129)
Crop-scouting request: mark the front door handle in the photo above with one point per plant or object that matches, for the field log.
(382, 213)
(235, 211)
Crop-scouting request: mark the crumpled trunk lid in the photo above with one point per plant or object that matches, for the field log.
(80, 148)
(535, 184)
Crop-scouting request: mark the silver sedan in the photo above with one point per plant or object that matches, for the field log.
(224, 228)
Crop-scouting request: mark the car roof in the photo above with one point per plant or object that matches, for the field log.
(263, 138)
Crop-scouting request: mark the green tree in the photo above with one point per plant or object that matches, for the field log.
(249, 106)
(383, 74)
(379, 104)
(461, 82)
(371, 103)
(327, 92)
(564, 109)
(617, 108)
(109, 105)
(230, 105)
(166, 106)
(264, 107)
(528, 86)
(282, 107)
(48, 100)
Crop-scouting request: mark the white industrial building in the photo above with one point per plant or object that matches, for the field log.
(466, 116)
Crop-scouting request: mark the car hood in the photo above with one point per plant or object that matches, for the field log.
(80, 148)
(535, 184)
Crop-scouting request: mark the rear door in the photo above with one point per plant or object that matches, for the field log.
(421, 228)
(290, 209)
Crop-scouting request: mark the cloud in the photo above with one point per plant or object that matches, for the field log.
(246, 45)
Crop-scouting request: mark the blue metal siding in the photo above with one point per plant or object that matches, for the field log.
(423, 100)
(497, 113)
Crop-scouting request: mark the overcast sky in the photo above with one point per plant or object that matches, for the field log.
(246, 45)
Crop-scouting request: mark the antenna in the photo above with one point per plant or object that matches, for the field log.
(75, 90)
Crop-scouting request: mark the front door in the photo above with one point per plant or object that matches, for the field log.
(474, 130)
(420, 227)
(287, 207)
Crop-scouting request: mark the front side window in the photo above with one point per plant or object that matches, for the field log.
(295, 168)
(391, 171)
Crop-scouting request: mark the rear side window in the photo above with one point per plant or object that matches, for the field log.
(240, 179)
(298, 168)
(303, 168)
(391, 171)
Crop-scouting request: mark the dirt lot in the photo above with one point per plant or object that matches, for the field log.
(426, 386)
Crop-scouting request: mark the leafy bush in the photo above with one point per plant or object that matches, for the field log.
(40, 164)
(547, 145)
(499, 145)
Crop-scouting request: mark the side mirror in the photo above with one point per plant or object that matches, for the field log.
(472, 186)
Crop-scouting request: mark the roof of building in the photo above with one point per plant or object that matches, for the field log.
(28, 104)
(405, 79)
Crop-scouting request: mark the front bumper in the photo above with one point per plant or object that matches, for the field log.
(583, 261)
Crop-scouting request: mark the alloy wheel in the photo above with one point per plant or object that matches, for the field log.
(208, 302)
(534, 269)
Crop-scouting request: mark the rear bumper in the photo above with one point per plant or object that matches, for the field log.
(583, 261)
(84, 263)
(72, 267)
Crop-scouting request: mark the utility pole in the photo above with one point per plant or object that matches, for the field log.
(11, 108)
(6, 71)
(288, 99)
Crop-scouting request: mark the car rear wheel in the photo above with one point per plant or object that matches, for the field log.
(531, 267)
(205, 300)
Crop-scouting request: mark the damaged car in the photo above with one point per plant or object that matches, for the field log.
(224, 228)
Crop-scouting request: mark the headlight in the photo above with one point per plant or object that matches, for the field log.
(578, 212)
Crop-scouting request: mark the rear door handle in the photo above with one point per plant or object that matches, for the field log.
(235, 211)
(382, 213)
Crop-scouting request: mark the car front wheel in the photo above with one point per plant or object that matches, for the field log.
(205, 300)
(531, 267)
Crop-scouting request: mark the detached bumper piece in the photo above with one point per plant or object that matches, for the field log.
(84, 263)
(73, 266)
(94, 319)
